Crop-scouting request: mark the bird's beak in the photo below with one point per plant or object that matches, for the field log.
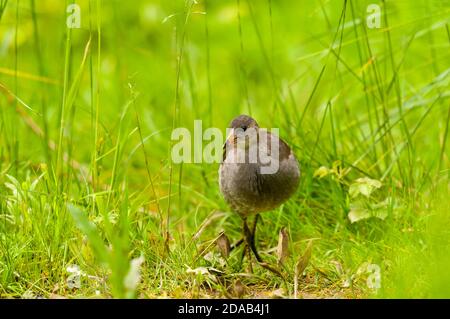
(231, 138)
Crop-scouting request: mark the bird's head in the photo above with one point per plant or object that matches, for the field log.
(242, 126)
(243, 122)
(242, 131)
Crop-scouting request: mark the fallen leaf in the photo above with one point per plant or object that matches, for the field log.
(224, 245)
(283, 245)
(304, 259)
(272, 269)
(74, 279)
(301, 266)
(238, 289)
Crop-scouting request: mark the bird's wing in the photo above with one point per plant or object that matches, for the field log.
(284, 151)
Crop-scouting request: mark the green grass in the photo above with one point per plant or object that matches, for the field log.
(86, 176)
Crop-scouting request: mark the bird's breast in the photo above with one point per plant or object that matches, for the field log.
(249, 191)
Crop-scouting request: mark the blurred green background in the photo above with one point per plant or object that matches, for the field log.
(86, 119)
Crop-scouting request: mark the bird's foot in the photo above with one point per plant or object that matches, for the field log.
(250, 248)
(249, 253)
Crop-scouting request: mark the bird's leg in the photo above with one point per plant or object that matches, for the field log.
(244, 252)
(246, 249)
(250, 263)
(255, 221)
(249, 246)
(242, 240)
(237, 244)
(250, 240)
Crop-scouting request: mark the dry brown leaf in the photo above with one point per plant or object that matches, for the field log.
(238, 289)
(283, 245)
(301, 266)
(272, 269)
(224, 245)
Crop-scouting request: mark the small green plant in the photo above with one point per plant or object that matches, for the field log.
(124, 275)
(91, 204)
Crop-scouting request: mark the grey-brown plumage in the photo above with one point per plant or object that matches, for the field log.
(242, 184)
